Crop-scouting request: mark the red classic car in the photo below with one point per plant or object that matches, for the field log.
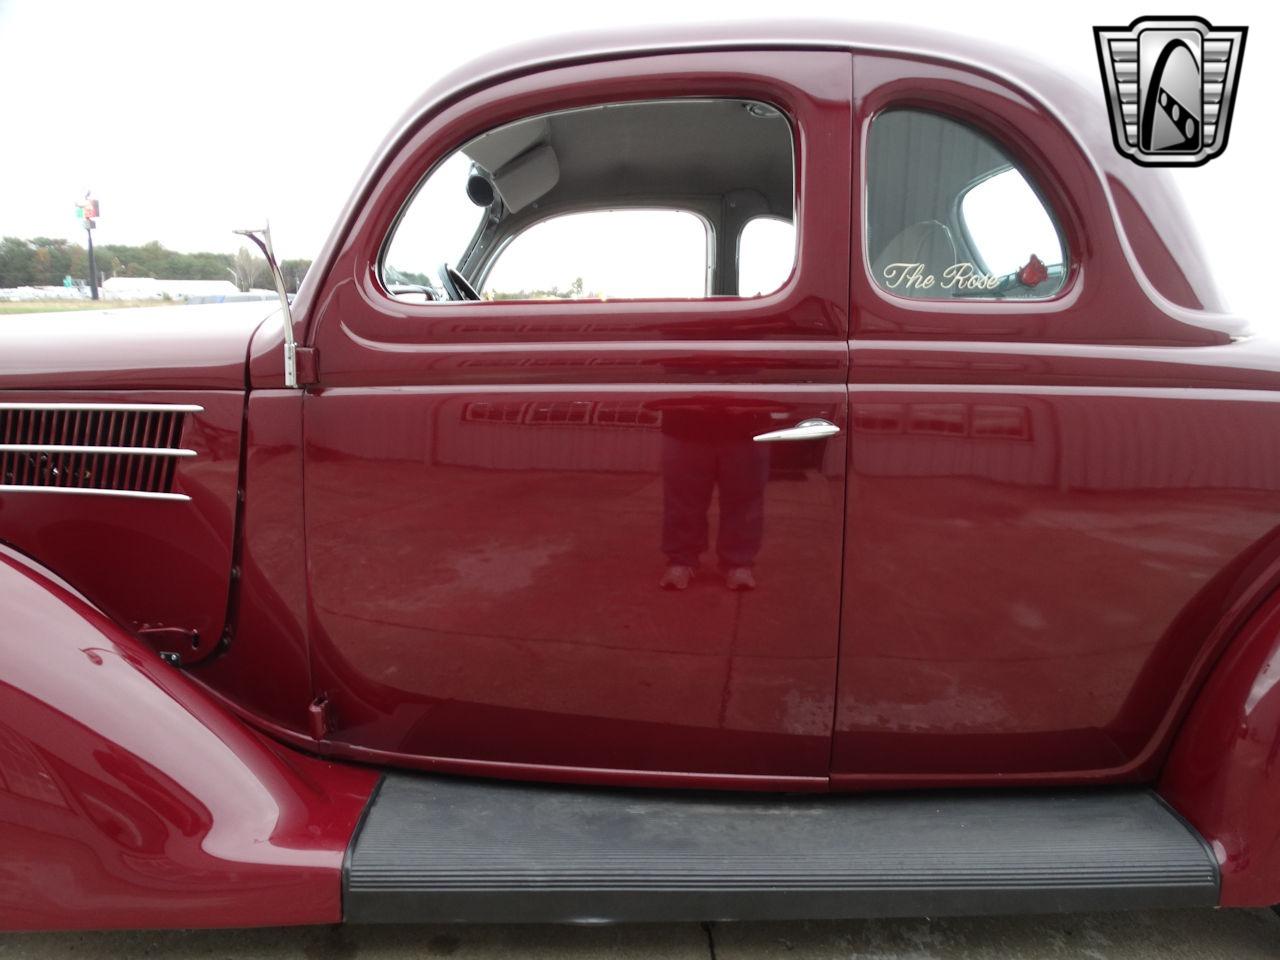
(739, 474)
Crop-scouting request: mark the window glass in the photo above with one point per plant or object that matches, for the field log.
(766, 253)
(619, 201)
(950, 215)
(1003, 218)
(436, 228)
(604, 254)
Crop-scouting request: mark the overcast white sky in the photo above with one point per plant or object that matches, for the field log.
(190, 119)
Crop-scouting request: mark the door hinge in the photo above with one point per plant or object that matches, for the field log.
(308, 360)
(318, 714)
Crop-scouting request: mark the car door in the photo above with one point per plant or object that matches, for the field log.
(497, 492)
(1061, 489)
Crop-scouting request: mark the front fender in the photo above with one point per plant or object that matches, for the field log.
(130, 798)
(1223, 774)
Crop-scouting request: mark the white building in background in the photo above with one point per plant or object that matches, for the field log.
(149, 288)
(39, 293)
(144, 288)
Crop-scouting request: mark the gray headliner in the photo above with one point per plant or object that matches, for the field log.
(652, 149)
(703, 155)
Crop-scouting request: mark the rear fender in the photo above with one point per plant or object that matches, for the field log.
(130, 798)
(1223, 774)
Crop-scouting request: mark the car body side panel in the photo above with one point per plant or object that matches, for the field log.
(486, 486)
(491, 593)
(1037, 578)
(146, 563)
(130, 799)
(1223, 774)
(178, 346)
(1057, 508)
(264, 666)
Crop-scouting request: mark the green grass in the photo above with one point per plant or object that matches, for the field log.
(53, 306)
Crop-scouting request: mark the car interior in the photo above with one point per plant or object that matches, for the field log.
(727, 161)
(957, 219)
(957, 199)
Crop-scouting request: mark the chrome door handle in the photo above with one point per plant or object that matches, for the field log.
(816, 429)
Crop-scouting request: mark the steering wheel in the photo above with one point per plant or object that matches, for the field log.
(455, 284)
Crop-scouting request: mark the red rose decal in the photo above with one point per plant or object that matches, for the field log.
(1033, 273)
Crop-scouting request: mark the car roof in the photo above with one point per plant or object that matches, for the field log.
(1080, 109)
(1061, 93)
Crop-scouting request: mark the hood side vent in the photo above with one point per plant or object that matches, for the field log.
(110, 449)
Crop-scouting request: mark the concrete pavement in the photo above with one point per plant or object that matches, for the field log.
(1156, 935)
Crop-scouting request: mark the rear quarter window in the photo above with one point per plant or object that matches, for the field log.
(950, 215)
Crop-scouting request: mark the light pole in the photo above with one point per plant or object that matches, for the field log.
(87, 212)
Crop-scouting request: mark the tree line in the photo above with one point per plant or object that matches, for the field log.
(45, 261)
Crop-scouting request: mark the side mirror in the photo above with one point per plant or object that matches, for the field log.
(479, 187)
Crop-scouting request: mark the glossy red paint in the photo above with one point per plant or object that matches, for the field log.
(1041, 550)
(989, 701)
(518, 618)
(199, 347)
(264, 666)
(1038, 577)
(486, 514)
(1055, 509)
(145, 562)
(1223, 774)
(129, 798)
(1052, 516)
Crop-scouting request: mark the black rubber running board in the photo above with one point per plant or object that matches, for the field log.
(438, 849)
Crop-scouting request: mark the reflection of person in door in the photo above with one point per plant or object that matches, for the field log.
(708, 446)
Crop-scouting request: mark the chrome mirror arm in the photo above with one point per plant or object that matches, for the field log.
(262, 238)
